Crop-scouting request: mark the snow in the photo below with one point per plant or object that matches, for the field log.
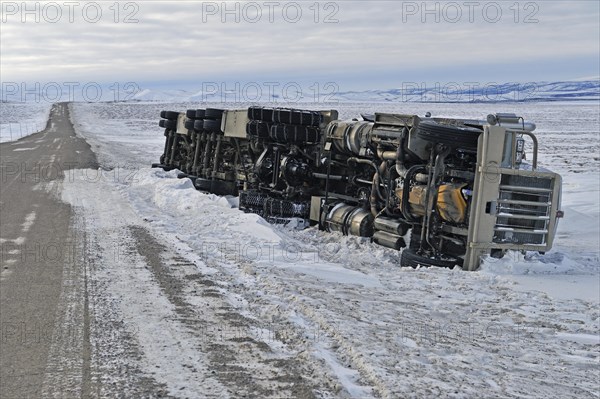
(18, 120)
(145, 319)
(579, 89)
(525, 325)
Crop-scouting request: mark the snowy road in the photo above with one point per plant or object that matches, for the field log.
(42, 277)
(187, 297)
(90, 298)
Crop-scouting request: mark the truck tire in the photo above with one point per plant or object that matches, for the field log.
(172, 115)
(295, 133)
(213, 113)
(189, 124)
(168, 124)
(199, 124)
(260, 114)
(452, 136)
(296, 117)
(218, 187)
(221, 187)
(212, 125)
(410, 258)
(200, 113)
(191, 113)
(202, 184)
(258, 129)
(288, 116)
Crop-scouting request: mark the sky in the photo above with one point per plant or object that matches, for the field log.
(357, 45)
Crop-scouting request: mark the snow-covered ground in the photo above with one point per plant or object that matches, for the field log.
(524, 326)
(18, 120)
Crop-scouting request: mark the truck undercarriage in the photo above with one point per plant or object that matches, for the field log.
(445, 191)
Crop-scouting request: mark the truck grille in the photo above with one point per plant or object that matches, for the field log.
(523, 210)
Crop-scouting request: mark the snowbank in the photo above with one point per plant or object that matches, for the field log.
(18, 120)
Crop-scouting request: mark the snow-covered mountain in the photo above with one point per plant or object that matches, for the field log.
(452, 92)
(473, 92)
(409, 92)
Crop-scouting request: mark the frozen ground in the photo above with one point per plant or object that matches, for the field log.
(18, 120)
(525, 326)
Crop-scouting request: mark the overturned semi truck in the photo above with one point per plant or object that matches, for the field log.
(444, 191)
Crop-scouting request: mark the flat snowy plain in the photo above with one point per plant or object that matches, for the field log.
(522, 326)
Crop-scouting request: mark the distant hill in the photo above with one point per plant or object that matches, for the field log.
(540, 91)
(410, 92)
(574, 90)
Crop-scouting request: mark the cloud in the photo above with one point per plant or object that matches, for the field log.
(349, 41)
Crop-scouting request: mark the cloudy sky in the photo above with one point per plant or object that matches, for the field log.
(356, 44)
